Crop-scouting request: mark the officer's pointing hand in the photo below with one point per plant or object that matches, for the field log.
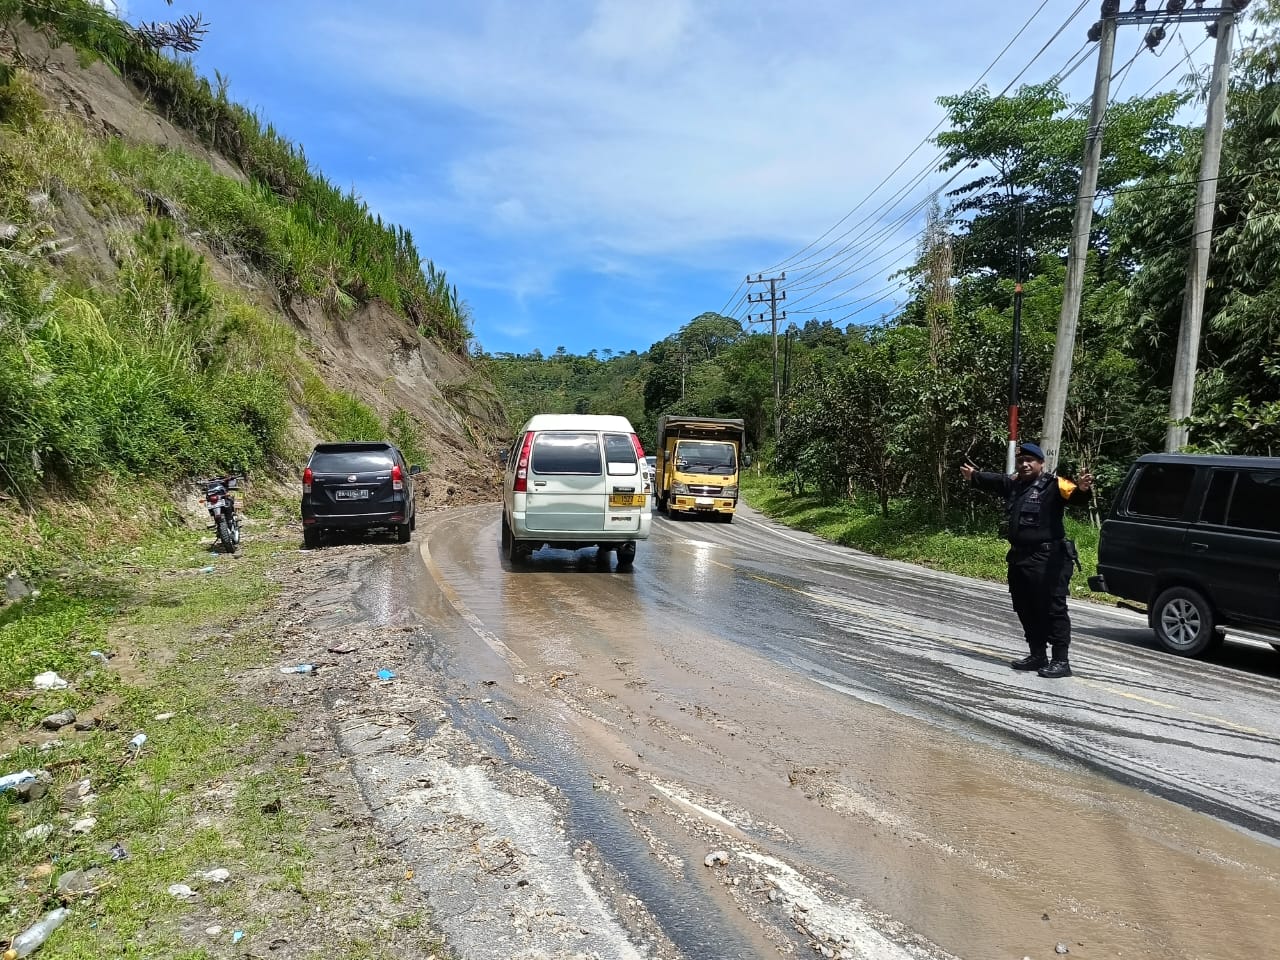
(1085, 482)
(966, 470)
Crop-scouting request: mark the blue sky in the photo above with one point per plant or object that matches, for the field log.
(595, 174)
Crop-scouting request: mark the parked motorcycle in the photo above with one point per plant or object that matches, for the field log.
(220, 499)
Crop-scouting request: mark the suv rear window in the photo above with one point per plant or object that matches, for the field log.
(575, 453)
(618, 448)
(1162, 490)
(351, 461)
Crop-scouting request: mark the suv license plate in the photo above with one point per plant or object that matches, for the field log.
(351, 494)
(626, 499)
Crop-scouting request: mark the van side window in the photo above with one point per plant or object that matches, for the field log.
(1162, 490)
(566, 453)
(1219, 495)
(1256, 503)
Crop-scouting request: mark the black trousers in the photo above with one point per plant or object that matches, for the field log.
(1039, 578)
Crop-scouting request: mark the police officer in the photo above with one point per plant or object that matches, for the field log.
(1040, 555)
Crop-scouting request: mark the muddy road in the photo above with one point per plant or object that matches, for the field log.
(755, 744)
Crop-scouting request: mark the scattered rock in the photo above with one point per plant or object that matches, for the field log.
(162, 717)
(49, 680)
(15, 588)
(38, 832)
(1061, 948)
(718, 858)
(56, 721)
(84, 826)
(219, 875)
(341, 648)
(181, 891)
(42, 871)
(31, 790)
(84, 724)
(213, 931)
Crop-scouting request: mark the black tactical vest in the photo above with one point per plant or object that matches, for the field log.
(1033, 513)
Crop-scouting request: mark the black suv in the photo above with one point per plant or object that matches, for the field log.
(357, 486)
(1197, 539)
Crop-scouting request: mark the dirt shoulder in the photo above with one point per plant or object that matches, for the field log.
(235, 828)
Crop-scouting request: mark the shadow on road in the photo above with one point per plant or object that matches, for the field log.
(1243, 656)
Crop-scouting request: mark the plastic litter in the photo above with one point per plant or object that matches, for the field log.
(386, 674)
(300, 668)
(164, 716)
(31, 939)
(118, 852)
(99, 656)
(181, 891)
(78, 883)
(11, 781)
(219, 875)
(237, 936)
(137, 741)
(206, 569)
(49, 680)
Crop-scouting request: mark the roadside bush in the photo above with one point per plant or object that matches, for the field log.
(337, 415)
(405, 434)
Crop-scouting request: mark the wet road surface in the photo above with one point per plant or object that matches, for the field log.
(847, 731)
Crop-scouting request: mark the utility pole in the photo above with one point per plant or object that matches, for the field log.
(1184, 371)
(1055, 404)
(772, 299)
(1104, 33)
(1015, 364)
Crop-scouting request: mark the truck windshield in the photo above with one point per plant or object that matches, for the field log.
(706, 456)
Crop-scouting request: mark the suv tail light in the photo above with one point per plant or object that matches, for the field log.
(522, 465)
(306, 480)
(397, 478)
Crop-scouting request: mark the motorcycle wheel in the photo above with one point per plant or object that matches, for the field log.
(225, 537)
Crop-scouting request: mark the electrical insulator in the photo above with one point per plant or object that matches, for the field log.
(1175, 6)
(1154, 36)
(1110, 7)
(1139, 6)
(1095, 32)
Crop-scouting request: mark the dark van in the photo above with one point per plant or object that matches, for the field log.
(1197, 539)
(357, 486)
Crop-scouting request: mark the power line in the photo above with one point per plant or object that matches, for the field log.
(793, 261)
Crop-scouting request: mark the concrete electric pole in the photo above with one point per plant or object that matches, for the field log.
(773, 298)
(1184, 371)
(1055, 404)
(1104, 33)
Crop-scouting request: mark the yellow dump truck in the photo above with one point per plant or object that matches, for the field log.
(698, 463)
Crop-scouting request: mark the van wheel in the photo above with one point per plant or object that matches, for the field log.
(1184, 622)
(626, 554)
(506, 534)
(403, 533)
(310, 537)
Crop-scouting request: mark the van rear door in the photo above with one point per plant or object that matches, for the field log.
(627, 498)
(566, 483)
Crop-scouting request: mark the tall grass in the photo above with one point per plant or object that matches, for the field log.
(312, 238)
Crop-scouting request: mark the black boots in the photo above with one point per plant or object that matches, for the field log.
(1033, 662)
(1056, 670)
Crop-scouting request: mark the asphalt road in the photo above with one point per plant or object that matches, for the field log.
(847, 732)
